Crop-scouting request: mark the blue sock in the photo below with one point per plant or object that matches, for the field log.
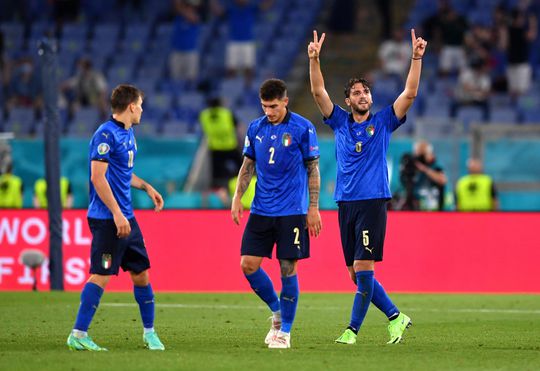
(263, 287)
(363, 296)
(90, 297)
(145, 298)
(382, 301)
(288, 301)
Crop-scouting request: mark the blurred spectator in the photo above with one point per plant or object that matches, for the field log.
(343, 16)
(473, 89)
(423, 180)
(87, 88)
(384, 7)
(220, 128)
(40, 193)
(65, 11)
(11, 190)
(448, 28)
(498, 58)
(249, 194)
(241, 17)
(24, 88)
(184, 58)
(521, 32)
(476, 191)
(395, 55)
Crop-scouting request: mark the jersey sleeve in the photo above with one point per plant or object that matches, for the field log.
(392, 120)
(337, 118)
(100, 146)
(309, 145)
(248, 150)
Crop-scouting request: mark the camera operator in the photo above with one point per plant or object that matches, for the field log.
(423, 180)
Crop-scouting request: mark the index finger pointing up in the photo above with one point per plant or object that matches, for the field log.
(413, 35)
(315, 37)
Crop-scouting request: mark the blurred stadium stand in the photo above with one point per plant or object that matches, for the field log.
(136, 51)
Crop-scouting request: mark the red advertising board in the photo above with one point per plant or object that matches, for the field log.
(199, 251)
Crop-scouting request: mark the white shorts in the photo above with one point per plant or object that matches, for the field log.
(184, 65)
(519, 77)
(452, 58)
(240, 55)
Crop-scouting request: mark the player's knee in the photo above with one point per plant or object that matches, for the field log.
(363, 265)
(288, 268)
(99, 280)
(248, 266)
(140, 279)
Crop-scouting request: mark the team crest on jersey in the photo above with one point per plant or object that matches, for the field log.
(103, 148)
(106, 261)
(246, 142)
(370, 130)
(286, 139)
(358, 147)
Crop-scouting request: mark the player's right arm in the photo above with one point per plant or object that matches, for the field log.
(244, 177)
(98, 170)
(316, 78)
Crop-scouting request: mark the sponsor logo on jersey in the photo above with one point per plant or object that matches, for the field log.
(103, 148)
(286, 139)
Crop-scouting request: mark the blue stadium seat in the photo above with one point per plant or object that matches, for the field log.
(21, 121)
(84, 123)
(174, 129)
(469, 115)
(503, 115)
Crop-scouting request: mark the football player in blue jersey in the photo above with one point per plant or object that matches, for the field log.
(117, 240)
(282, 148)
(362, 189)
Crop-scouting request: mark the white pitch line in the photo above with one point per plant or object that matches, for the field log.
(333, 308)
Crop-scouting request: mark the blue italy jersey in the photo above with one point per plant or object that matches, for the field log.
(280, 153)
(362, 171)
(113, 144)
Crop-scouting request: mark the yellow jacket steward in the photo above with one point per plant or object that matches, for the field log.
(474, 192)
(40, 191)
(10, 191)
(218, 126)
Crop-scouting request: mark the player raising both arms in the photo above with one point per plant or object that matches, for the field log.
(362, 188)
(281, 147)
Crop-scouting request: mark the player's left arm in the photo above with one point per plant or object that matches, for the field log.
(406, 98)
(314, 223)
(139, 183)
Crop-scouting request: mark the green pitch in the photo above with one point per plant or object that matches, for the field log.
(226, 332)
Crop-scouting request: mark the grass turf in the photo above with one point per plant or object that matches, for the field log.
(226, 332)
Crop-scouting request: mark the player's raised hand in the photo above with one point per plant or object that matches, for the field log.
(237, 210)
(418, 45)
(313, 221)
(314, 47)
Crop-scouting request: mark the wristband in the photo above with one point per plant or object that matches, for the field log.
(416, 58)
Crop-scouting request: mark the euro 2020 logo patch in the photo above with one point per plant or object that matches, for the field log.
(103, 148)
(370, 130)
(286, 140)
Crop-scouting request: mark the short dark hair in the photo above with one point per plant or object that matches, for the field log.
(123, 95)
(355, 80)
(273, 89)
